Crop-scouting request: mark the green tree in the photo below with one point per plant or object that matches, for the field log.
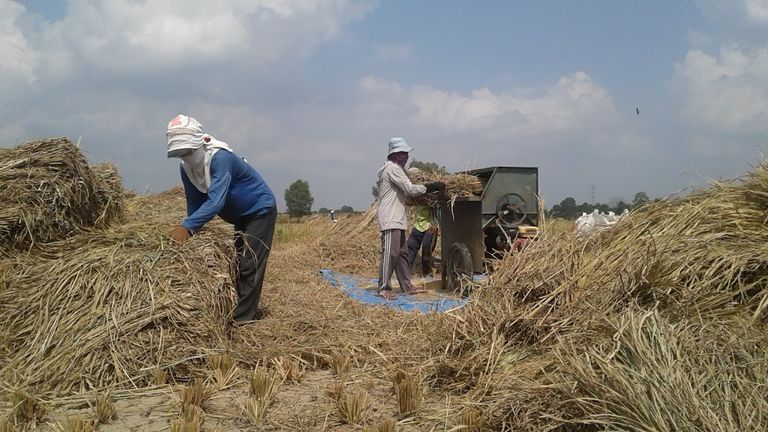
(640, 199)
(430, 167)
(346, 209)
(567, 209)
(298, 199)
(323, 210)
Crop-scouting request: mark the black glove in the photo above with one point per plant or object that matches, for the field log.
(436, 186)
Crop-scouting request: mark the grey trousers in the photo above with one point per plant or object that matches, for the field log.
(394, 258)
(253, 241)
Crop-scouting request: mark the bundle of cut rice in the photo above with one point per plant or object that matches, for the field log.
(49, 192)
(109, 307)
(110, 194)
(456, 186)
(352, 244)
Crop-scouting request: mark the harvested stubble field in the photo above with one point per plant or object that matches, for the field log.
(658, 324)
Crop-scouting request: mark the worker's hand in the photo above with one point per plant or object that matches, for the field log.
(435, 186)
(180, 235)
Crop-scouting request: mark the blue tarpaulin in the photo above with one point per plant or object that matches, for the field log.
(352, 285)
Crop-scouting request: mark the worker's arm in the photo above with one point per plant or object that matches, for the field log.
(398, 178)
(221, 179)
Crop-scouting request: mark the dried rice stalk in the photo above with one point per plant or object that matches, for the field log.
(352, 244)
(118, 303)
(290, 369)
(159, 377)
(74, 424)
(470, 421)
(456, 186)
(49, 193)
(388, 425)
(104, 410)
(26, 409)
(340, 363)
(194, 395)
(7, 425)
(224, 369)
(256, 409)
(109, 193)
(190, 421)
(407, 392)
(264, 383)
(710, 384)
(334, 391)
(354, 406)
(263, 387)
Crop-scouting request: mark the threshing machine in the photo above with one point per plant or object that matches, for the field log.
(476, 229)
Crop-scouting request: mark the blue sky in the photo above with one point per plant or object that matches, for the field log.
(313, 89)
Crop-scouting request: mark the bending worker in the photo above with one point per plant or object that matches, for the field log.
(393, 186)
(218, 182)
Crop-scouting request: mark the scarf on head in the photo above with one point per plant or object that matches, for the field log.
(185, 134)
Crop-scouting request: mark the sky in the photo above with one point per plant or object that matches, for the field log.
(314, 89)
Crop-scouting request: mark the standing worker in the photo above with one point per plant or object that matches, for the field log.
(423, 235)
(393, 186)
(218, 182)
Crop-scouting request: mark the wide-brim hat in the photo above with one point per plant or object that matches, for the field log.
(397, 145)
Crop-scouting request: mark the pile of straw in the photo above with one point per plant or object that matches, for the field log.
(109, 193)
(49, 192)
(456, 186)
(658, 324)
(110, 307)
(352, 245)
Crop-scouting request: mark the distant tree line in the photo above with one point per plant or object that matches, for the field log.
(568, 209)
(343, 209)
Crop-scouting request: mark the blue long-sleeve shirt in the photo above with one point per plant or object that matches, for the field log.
(236, 191)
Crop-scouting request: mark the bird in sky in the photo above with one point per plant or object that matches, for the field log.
(637, 110)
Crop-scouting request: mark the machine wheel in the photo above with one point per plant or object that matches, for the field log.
(458, 269)
(510, 208)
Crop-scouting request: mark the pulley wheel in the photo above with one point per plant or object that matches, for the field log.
(510, 209)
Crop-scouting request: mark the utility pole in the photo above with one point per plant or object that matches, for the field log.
(593, 194)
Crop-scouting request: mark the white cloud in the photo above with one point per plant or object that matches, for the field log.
(17, 59)
(736, 20)
(564, 107)
(725, 94)
(128, 36)
(757, 10)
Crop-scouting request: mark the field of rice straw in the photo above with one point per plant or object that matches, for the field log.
(657, 324)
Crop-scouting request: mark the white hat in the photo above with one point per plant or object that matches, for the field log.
(397, 145)
(184, 133)
(182, 124)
